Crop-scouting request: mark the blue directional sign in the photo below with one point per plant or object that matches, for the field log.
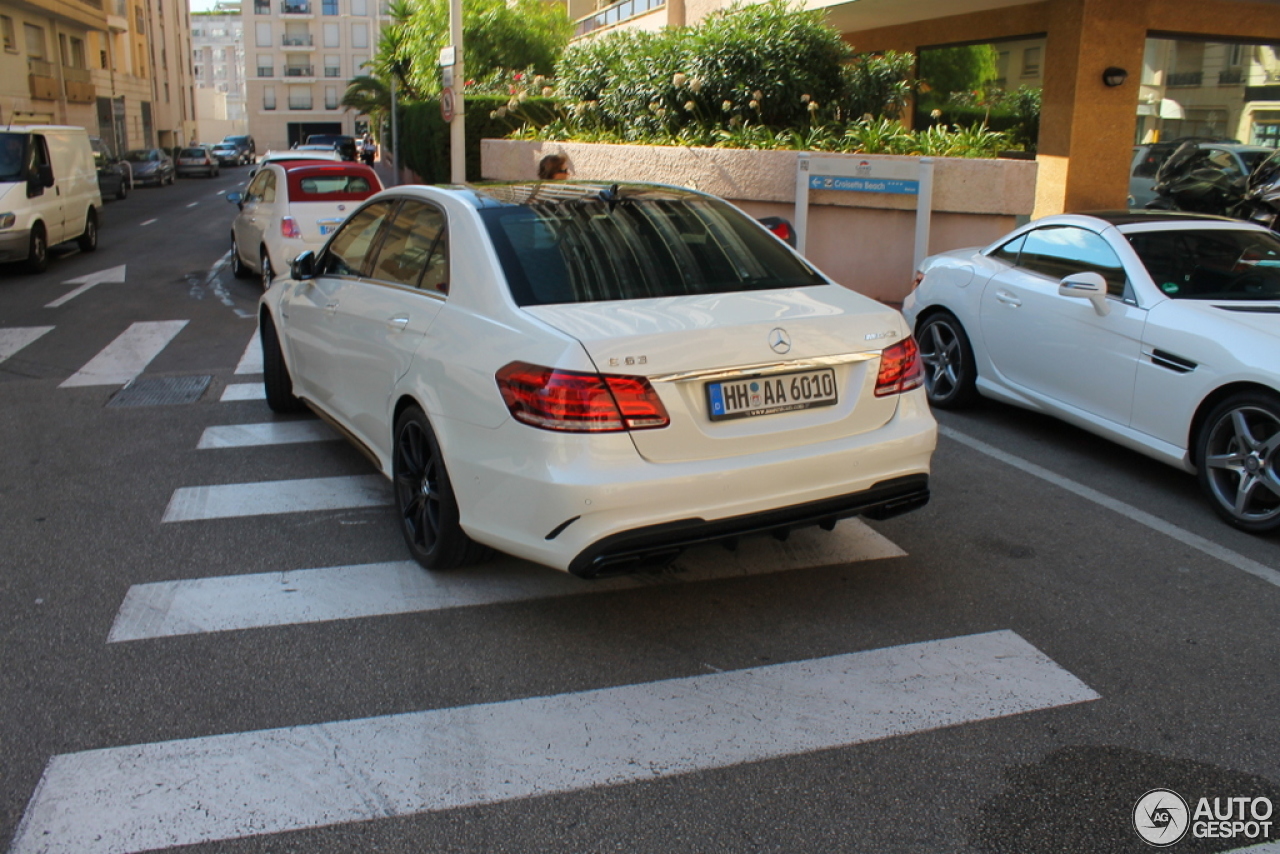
(865, 185)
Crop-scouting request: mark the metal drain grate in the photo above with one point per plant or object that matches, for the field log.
(163, 391)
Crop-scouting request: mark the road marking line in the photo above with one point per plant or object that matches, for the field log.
(193, 204)
(1208, 547)
(244, 391)
(269, 433)
(147, 222)
(114, 274)
(128, 355)
(150, 796)
(265, 498)
(234, 602)
(251, 359)
(14, 338)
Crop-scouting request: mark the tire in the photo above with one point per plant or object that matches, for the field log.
(264, 264)
(123, 192)
(275, 373)
(88, 241)
(238, 268)
(37, 250)
(428, 509)
(950, 373)
(1237, 456)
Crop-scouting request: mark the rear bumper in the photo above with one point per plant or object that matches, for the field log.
(631, 550)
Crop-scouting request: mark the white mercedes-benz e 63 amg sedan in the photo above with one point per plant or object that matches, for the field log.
(595, 376)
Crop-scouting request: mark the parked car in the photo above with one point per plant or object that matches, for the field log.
(1156, 330)
(228, 154)
(197, 160)
(48, 192)
(115, 178)
(1235, 159)
(612, 374)
(151, 166)
(245, 145)
(292, 206)
(294, 154)
(341, 143)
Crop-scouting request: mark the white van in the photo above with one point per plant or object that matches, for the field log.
(48, 192)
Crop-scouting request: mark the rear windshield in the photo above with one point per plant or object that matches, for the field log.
(192, 152)
(1211, 264)
(332, 185)
(591, 249)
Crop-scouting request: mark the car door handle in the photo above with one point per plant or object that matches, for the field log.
(1008, 299)
(398, 322)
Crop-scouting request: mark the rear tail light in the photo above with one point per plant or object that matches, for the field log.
(900, 368)
(289, 227)
(575, 402)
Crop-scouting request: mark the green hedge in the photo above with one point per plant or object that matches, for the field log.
(424, 136)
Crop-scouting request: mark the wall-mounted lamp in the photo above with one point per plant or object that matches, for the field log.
(1114, 76)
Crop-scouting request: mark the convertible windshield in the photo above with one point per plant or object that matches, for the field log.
(610, 246)
(1212, 264)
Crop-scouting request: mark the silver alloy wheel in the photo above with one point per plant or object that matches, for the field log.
(266, 270)
(948, 360)
(1240, 456)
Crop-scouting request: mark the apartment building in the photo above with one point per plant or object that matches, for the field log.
(301, 55)
(173, 86)
(218, 57)
(45, 61)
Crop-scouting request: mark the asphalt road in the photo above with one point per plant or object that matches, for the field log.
(1064, 628)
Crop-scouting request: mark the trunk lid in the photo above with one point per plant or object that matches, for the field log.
(684, 344)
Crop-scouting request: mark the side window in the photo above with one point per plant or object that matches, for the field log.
(268, 186)
(1009, 252)
(349, 249)
(413, 252)
(39, 151)
(254, 191)
(1059, 251)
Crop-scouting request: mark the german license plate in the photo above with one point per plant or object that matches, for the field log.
(765, 395)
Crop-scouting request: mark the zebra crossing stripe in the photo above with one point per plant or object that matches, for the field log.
(14, 338)
(149, 796)
(251, 359)
(227, 603)
(192, 503)
(128, 355)
(243, 391)
(268, 433)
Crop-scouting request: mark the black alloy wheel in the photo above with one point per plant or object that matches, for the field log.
(949, 371)
(428, 509)
(1237, 458)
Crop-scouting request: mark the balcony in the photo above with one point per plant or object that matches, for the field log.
(299, 73)
(1185, 78)
(332, 71)
(295, 8)
(1231, 77)
(79, 85)
(296, 42)
(41, 81)
(614, 14)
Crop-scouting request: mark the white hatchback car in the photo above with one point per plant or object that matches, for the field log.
(291, 206)
(593, 377)
(1159, 331)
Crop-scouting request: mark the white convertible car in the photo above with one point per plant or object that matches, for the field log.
(596, 376)
(1157, 330)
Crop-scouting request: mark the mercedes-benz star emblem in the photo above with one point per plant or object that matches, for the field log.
(779, 341)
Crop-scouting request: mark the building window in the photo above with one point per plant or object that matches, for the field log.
(329, 7)
(262, 8)
(10, 39)
(359, 8)
(35, 40)
(331, 97)
(266, 66)
(299, 97)
(331, 37)
(1031, 62)
(263, 34)
(268, 97)
(199, 71)
(359, 35)
(332, 66)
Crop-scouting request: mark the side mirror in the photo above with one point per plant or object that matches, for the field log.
(44, 174)
(304, 266)
(235, 199)
(1088, 285)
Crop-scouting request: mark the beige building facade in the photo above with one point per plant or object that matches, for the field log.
(217, 52)
(300, 56)
(45, 61)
